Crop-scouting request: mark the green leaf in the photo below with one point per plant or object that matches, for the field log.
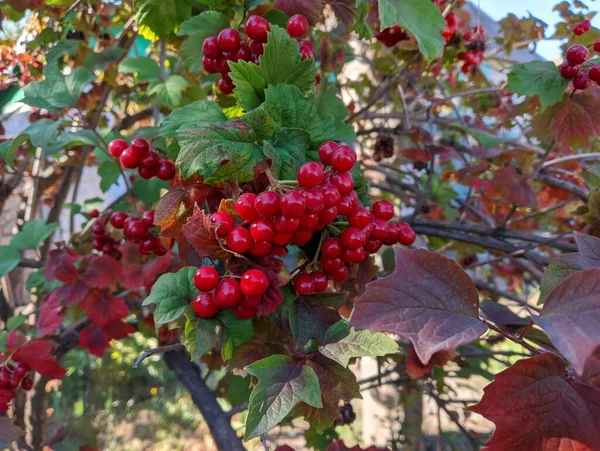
(158, 18)
(538, 78)
(199, 111)
(330, 104)
(261, 122)
(236, 331)
(281, 62)
(288, 152)
(200, 335)
(109, 173)
(282, 384)
(144, 67)
(276, 17)
(15, 321)
(169, 92)
(68, 47)
(486, 139)
(33, 234)
(198, 28)
(344, 343)
(41, 133)
(102, 59)
(57, 91)
(422, 18)
(289, 108)
(8, 149)
(149, 191)
(171, 293)
(9, 259)
(249, 81)
(70, 139)
(205, 146)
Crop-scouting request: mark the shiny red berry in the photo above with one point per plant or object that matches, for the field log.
(210, 47)
(359, 217)
(343, 159)
(577, 54)
(331, 248)
(257, 47)
(151, 160)
(326, 151)
(582, 27)
(27, 383)
(569, 72)
(222, 65)
(285, 224)
(146, 247)
(354, 256)
(267, 204)
(251, 302)
(239, 240)
(597, 45)
(209, 65)
(262, 229)
(313, 197)
(117, 219)
(297, 26)
(229, 40)
(306, 53)
(260, 248)
(304, 284)
(225, 86)
(309, 222)
(339, 275)
(244, 53)
(205, 305)
(406, 235)
(328, 215)
(244, 207)
(206, 278)
(378, 229)
(383, 209)
(345, 206)
(392, 235)
(135, 230)
(243, 312)
(223, 221)
(331, 195)
(293, 204)
(282, 239)
(582, 81)
(166, 169)
(352, 238)
(228, 293)
(343, 182)
(257, 28)
(320, 281)
(301, 237)
(147, 173)
(117, 146)
(310, 174)
(594, 73)
(94, 213)
(140, 146)
(254, 282)
(148, 218)
(129, 159)
(372, 246)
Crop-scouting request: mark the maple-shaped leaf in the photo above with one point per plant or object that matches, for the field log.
(514, 187)
(101, 271)
(37, 355)
(311, 9)
(587, 257)
(95, 340)
(282, 383)
(119, 330)
(49, 318)
(428, 299)
(540, 78)
(141, 273)
(343, 343)
(72, 293)
(103, 308)
(312, 316)
(199, 231)
(572, 121)
(416, 369)
(534, 407)
(571, 316)
(61, 265)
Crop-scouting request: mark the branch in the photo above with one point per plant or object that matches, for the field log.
(160, 350)
(129, 121)
(582, 193)
(218, 421)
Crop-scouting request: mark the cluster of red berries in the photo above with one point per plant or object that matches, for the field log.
(102, 241)
(451, 27)
(11, 377)
(576, 56)
(475, 46)
(228, 45)
(391, 36)
(138, 155)
(221, 293)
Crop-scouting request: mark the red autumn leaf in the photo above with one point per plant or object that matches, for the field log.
(72, 293)
(534, 407)
(15, 340)
(60, 265)
(138, 273)
(514, 187)
(571, 315)
(309, 8)
(418, 155)
(199, 231)
(37, 355)
(428, 299)
(49, 319)
(104, 309)
(119, 330)
(101, 271)
(168, 207)
(416, 369)
(591, 370)
(95, 340)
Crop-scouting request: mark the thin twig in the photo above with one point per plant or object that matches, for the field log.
(160, 350)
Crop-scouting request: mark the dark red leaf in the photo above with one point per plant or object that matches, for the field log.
(49, 319)
(428, 299)
(101, 271)
(344, 10)
(37, 355)
(72, 293)
(137, 273)
(95, 340)
(119, 330)
(168, 207)
(15, 340)
(514, 187)
(571, 316)
(591, 371)
(534, 407)
(199, 231)
(309, 8)
(104, 309)
(60, 265)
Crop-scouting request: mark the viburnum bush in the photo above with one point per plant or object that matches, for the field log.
(292, 186)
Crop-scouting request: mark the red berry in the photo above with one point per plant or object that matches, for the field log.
(224, 222)
(306, 53)
(166, 169)
(301, 237)
(251, 302)
(117, 219)
(239, 240)
(147, 173)
(594, 73)
(27, 383)
(343, 182)
(129, 159)
(282, 239)
(328, 215)
(206, 278)
(243, 312)
(383, 209)
(254, 282)
(146, 247)
(148, 218)
(331, 248)
(20, 369)
(116, 147)
(345, 206)
(378, 229)
(310, 174)
(582, 81)
(222, 65)
(228, 293)
(244, 53)
(582, 27)
(406, 235)
(297, 26)
(262, 229)
(343, 159)
(97, 244)
(320, 281)
(354, 256)
(210, 47)
(94, 213)
(304, 284)
(569, 72)
(286, 225)
(257, 28)
(372, 246)
(597, 46)
(209, 65)
(293, 204)
(244, 207)
(229, 40)
(359, 217)
(339, 275)
(331, 195)
(308, 222)
(267, 204)
(260, 248)
(392, 235)
(140, 146)
(225, 86)
(577, 54)
(352, 238)
(257, 48)
(307, 44)
(326, 151)
(151, 160)
(135, 230)
(205, 305)
(313, 197)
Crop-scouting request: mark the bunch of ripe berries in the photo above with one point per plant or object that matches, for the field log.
(139, 155)
(574, 68)
(229, 45)
(13, 376)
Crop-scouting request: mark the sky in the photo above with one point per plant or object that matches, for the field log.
(542, 9)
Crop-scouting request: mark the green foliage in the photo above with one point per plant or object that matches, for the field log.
(169, 92)
(158, 18)
(199, 111)
(144, 68)
(9, 259)
(538, 78)
(33, 234)
(198, 28)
